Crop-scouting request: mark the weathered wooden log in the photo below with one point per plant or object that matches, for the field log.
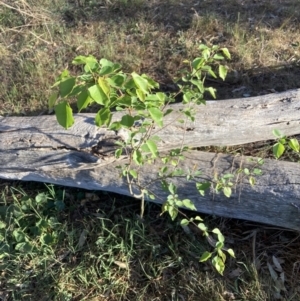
(38, 149)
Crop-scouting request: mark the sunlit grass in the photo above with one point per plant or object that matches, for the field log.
(40, 38)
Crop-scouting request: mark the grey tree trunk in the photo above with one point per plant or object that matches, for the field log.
(38, 149)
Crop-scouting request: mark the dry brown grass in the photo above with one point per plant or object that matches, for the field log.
(40, 38)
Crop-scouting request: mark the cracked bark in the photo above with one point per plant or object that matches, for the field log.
(38, 149)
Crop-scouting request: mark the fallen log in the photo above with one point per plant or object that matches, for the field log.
(38, 149)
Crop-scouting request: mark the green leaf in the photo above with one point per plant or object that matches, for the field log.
(104, 86)
(133, 173)
(66, 86)
(137, 157)
(86, 77)
(222, 71)
(202, 187)
(164, 207)
(153, 148)
(222, 255)
(81, 60)
(83, 100)
(178, 203)
(257, 171)
(197, 63)
(178, 172)
(206, 53)
(226, 53)
(200, 100)
(173, 212)
(98, 95)
(172, 188)
(278, 150)
(64, 114)
(65, 74)
(103, 117)
(246, 171)
(2, 225)
(260, 161)
(42, 224)
(115, 66)
(141, 95)
(189, 204)
(228, 176)
(145, 148)
(277, 133)
(137, 104)
(161, 96)
(219, 234)
(212, 73)
(174, 163)
(76, 90)
(118, 153)
(117, 80)
(227, 191)
(152, 84)
(282, 140)
(205, 256)
(47, 239)
(202, 227)
(140, 82)
(157, 116)
(218, 57)
(105, 70)
(52, 100)
(163, 170)
(218, 187)
(108, 67)
(105, 62)
(218, 263)
(294, 145)
(184, 222)
(252, 181)
(129, 84)
(212, 91)
(115, 126)
(198, 84)
(202, 47)
(24, 247)
(187, 96)
(231, 252)
(91, 66)
(164, 185)
(151, 98)
(127, 121)
(152, 197)
(41, 198)
(53, 221)
(219, 245)
(125, 100)
(18, 235)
